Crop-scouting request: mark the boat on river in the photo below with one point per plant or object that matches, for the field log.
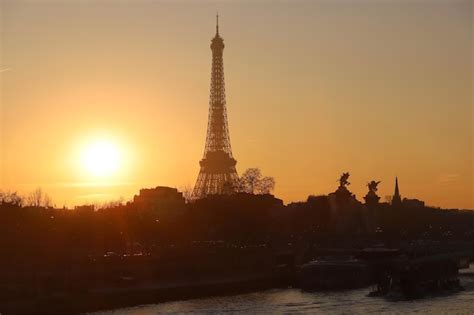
(337, 274)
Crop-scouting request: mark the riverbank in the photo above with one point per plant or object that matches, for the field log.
(153, 292)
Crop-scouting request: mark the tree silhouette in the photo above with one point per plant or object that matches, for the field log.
(187, 191)
(265, 185)
(38, 199)
(11, 198)
(252, 182)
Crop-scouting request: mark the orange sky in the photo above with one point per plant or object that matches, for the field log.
(314, 88)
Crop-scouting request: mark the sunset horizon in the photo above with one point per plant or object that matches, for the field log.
(69, 92)
(251, 157)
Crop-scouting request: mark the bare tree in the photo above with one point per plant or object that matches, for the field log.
(252, 182)
(265, 185)
(34, 198)
(110, 204)
(47, 201)
(187, 191)
(249, 180)
(38, 199)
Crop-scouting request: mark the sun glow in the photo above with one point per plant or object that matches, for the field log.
(101, 158)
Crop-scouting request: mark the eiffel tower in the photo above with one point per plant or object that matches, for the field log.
(218, 174)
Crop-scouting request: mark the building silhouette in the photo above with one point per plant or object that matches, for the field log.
(164, 199)
(217, 174)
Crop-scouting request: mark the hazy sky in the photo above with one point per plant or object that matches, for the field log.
(314, 88)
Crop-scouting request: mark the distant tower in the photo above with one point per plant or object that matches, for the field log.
(218, 174)
(396, 199)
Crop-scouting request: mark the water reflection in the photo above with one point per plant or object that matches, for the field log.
(294, 301)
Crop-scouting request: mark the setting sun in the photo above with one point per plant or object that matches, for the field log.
(308, 156)
(101, 158)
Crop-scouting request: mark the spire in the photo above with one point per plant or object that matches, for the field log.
(397, 193)
(396, 199)
(217, 43)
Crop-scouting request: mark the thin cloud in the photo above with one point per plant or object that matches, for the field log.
(448, 178)
(96, 184)
(94, 196)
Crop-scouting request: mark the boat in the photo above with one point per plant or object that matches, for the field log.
(334, 274)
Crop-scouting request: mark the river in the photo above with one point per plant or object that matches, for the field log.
(294, 301)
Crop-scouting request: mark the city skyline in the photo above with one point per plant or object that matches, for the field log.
(307, 100)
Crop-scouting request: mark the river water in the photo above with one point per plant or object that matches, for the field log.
(294, 301)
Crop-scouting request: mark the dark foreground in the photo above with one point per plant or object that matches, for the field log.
(130, 293)
(145, 293)
(71, 261)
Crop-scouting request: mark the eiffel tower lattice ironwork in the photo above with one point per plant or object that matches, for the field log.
(217, 174)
